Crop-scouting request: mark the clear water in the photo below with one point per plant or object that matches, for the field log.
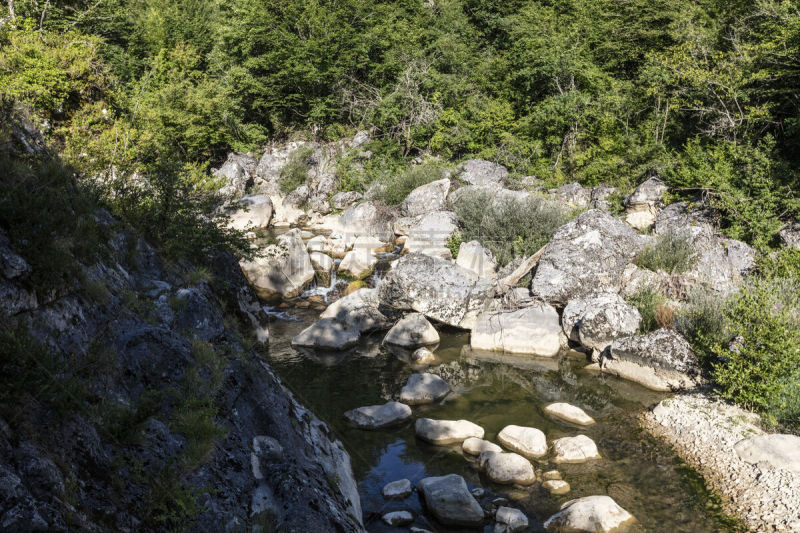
(642, 475)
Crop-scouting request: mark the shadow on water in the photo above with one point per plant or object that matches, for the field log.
(493, 390)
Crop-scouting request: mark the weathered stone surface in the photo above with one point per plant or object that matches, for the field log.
(327, 334)
(527, 441)
(481, 172)
(507, 468)
(358, 264)
(585, 256)
(323, 265)
(372, 244)
(571, 196)
(250, 212)
(531, 330)
(378, 416)
(362, 310)
(434, 287)
(426, 198)
(509, 520)
(397, 490)
(592, 514)
(644, 203)
(423, 356)
(343, 200)
(429, 235)
(316, 244)
(476, 446)
(578, 449)
(661, 360)
(366, 218)
(597, 320)
(283, 270)
(397, 518)
(601, 197)
(790, 235)
(474, 257)
(569, 413)
(556, 487)
(236, 172)
(771, 451)
(449, 500)
(412, 331)
(424, 388)
(446, 431)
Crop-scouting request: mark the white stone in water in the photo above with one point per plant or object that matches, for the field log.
(576, 449)
(507, 468)
(446, 431)
(423, 356)
(326, 333)
(412, 331)
(552, 474)
(527, 441)
(450, 501)
(475, 446)
(424, 388)
(569, 413)
(378, 416)
(397, 490)
(397, 518)
(509, 520)
(556, 486)
(591, 514)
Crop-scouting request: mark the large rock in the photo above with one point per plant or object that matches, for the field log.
(343, 200)
(398, 518)
(378, 416)
(443, 432)
(426, 198)
(771, 451)
(527, 441)
(597, 320)
(281, 270)
(250, 212)
(578, 449)
(571, 196)
(592, 514)
(474, 257)
(424, 388)
(585, 256)
(476, 446)
(532, 330)
(367, 218)
(509, 520)
(323, 266)
(358, 264)
(327, 334)
(481, 172)
(507, 468)
(397, 490)
(661, 360)
(448, 499)
(361, 310)
(236, 174)
(436, 288)
(569, 413)
(412, 331)
(430, 234)
(644, 203)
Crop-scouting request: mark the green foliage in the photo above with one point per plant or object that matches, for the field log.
(702, 320)
(647, 301)
(199, 275)
(672, 252)
(170, 504)
(454, 244)
(509, 227)
(397, 187)
(295, 172)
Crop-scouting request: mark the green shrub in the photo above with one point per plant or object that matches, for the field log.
(702, 320)
(98, 291)
(295, 172)
(199, 275)
(397, 188)
(454, 243)
(508, 227)
(647, 301)
(671, 252)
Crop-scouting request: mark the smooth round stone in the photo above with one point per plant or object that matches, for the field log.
(397, 490)
(527, 441)
(422, 356)
(552, 474)
(476, 446)
(507, 468)
(590, 514)
(378, 416)
(412, 331)
(450, 501)
(576, 449)
(510, 520)
(556, 486)
(398, 518)
(424, 388)
(569, 413)
(446, 431)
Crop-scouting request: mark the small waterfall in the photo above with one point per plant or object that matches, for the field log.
(316, 290)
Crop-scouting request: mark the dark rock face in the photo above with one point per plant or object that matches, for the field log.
(120, 459)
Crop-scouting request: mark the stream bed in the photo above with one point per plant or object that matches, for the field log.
(493, 390)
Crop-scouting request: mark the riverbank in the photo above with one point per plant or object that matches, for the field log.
(703, 431)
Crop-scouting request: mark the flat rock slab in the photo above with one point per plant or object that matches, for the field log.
(424, 388)
(529, 442)
(397, 490)
(327, 334)
(510, 520)
(507, 468)
(450, 501)
(569, 413)
(446, 431)
(773, 451)
(533, 330)
(556, 487)
(378, 416)
(578, 449)
(412, 331)
(397, 518)
(476, 446)
(599, 514)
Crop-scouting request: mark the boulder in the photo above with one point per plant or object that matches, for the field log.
(250, 212)
(335, 247)
(569, 413)
(476, 446)
(644, 203)
(236, 174)
(771, 451)
(316, 243)
(371, 244)
(557, 487)
(298, 198)
(412, 331)
(343, 200)
(661, 360)
(509, 520)
(422, 356)
(424, 388)
(327, 334)
(571, 196)
(366, 218)
(361, 310)
(443, 432)
(531, 330)
(585, 256)
(281, 270)
(426, 198)
(358, 264)
(578, 449)
(397, 490)
(474, 257)
(507, 468)
(430, 234)
(481, 172)
(596, 321)
(790, 235)
(323, 265)
(436, 288)
(450, 501)
(398, 518)
(378, 416)
(527, 441)
(601, 197)
(592, 514)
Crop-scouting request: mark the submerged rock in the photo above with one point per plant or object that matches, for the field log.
(578, 449)
(424, 388)
(476, 446)
(397, 518)
(509, 520)
(378, 416)
(446, 431)
(450, 501)
(592, 514)
(533, 330)
(507, 468)
(569, 413)
(327, 333)
(556, 487)
(397, 490)
(527, 441)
